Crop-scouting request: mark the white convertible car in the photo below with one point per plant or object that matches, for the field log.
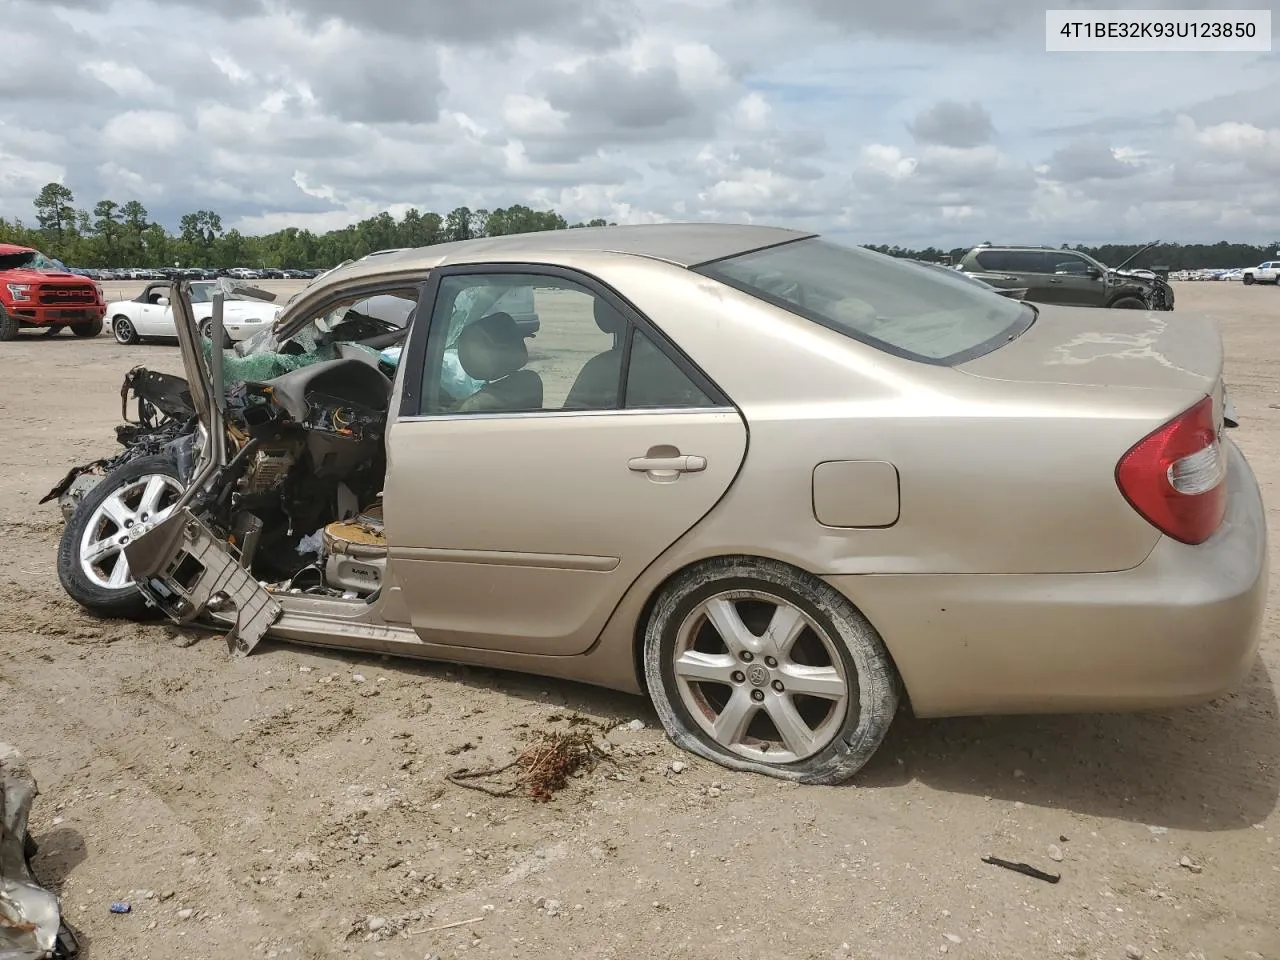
(149, 314)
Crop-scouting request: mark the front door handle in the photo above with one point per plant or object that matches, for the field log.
(1055, 280)
(683, 464)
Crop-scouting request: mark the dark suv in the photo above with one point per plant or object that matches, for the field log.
(1067, 277)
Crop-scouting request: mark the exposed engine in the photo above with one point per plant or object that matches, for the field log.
(305, 452)
(268, 468)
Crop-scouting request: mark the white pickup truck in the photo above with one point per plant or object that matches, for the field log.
(1268, 272)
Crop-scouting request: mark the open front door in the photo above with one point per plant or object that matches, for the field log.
(531, 481)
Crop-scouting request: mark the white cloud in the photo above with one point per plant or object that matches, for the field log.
(126, 80)
(888, 160)
(146, 131)
(909, 123)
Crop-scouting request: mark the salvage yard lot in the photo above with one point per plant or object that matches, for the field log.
(270, 806)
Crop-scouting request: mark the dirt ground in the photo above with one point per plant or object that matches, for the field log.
(271, 806)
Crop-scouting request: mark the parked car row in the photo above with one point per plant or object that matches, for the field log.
(1266, 272)
(193, 273)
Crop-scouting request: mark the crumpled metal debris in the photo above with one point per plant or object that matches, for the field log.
(165, 415)
(29, 914)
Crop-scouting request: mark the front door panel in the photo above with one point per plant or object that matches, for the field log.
(522, 533)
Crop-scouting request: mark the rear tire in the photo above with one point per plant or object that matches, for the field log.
(206, 331)
(90, 329)
(1129, 303)
(90, 583)
(821, 701)
(9, 327)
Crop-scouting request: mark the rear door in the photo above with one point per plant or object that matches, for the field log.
(1016, 269)
(529, 485)
(1071, 282)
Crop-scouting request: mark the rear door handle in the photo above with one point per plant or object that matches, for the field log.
(1055, 280)
(685, 464)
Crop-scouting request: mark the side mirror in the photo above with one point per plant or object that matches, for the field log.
(162, 302)
(1093, 273)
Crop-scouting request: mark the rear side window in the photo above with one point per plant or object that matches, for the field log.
(993, 260)
(891, 304)
(1028, 261)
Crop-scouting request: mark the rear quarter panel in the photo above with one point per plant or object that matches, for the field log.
(995, 477)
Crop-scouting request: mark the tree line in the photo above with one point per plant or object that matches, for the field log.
(124, 235)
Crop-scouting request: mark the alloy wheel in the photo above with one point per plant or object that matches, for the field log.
(121, 518)
(760, 677)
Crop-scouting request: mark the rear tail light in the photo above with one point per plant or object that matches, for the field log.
(1176, 476)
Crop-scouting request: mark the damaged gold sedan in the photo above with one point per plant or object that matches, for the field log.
(768, 480)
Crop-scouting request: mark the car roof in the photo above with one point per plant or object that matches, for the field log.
(8, 249)
(682, 244)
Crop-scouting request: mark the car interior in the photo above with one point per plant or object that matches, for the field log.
(334, 378)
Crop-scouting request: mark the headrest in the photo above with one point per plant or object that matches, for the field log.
(608, 319)
(492, 347)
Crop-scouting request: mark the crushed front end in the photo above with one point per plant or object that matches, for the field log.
(166, 422)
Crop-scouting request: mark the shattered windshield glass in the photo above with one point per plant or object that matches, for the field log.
(29, 260)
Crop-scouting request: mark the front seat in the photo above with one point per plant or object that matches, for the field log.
(493, 349)
(596, 387)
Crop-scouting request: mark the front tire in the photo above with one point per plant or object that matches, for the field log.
(90, 329)
(1129, 303)
(1247, 279)
(91, 562)
(123, 330)
(9, 327)
(758, 666)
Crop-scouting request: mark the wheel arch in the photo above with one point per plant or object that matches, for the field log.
(645, 615)
(1130, 293)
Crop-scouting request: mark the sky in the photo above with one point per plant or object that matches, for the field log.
(913, 122)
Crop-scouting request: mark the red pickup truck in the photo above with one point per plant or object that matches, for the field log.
(37, 292)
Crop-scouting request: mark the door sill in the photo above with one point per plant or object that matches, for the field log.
(331, 622)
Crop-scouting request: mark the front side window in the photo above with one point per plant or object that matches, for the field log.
(921, 315)
(526, 343)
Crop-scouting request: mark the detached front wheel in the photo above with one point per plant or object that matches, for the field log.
(758, 666)
(91, 561)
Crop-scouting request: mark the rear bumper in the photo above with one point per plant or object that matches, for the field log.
(1180, 628)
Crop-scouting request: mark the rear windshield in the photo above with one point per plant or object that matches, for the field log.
(891, 304)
